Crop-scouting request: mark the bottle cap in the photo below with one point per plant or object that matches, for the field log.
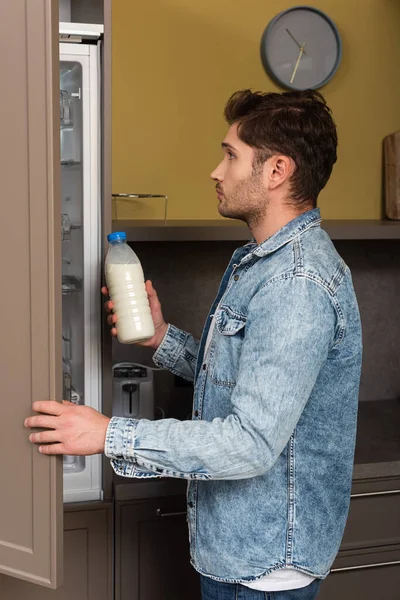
(116, 236)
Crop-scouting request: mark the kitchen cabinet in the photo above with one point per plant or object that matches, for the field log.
(368, 563)
(87, 559)
(363, 584)
(161, 143)
(30, 263)
(31, 515)
(152, 551)
(374, 521)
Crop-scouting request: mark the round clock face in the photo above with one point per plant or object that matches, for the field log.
(301, 48)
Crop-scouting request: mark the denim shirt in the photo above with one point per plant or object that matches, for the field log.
(269, 452)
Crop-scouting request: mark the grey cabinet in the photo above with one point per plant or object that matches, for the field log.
(364, 584)
(87, 559)
(373, 521)
(152, 551)
(368, 564)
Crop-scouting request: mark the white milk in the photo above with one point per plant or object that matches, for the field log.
(127, 290)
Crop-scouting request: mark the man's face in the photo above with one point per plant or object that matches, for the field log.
(240, 188)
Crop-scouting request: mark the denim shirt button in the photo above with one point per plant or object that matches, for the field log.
(236, 277)
(190, 504)
(196, 413)
(204, 367)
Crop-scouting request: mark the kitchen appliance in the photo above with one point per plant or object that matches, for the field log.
(133, 391)
(80, 132)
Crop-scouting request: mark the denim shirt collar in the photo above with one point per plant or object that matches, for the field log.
(295, 227)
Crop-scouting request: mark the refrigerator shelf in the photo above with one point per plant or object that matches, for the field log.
(71, 284)
(71, 163)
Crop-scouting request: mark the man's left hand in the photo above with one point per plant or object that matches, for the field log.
(70, 429)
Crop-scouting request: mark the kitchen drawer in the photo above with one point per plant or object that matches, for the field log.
(364, 581)
(374, 520)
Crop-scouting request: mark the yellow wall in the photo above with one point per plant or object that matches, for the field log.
(176, 62)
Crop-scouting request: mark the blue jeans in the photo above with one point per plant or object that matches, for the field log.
(215, 590)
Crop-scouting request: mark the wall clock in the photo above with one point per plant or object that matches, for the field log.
(301, 48)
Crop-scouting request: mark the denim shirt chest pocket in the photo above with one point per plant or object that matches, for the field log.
(226, 346)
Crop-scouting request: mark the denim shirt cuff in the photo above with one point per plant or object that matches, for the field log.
(170, 348)
(119, 447)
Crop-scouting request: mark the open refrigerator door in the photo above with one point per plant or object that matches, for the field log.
(80, 129)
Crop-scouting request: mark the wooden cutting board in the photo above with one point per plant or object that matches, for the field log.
(391, 158)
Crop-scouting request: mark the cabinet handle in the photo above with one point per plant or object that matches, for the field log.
(160, 513)
(360, 567)
(139, 196)
(370, 494)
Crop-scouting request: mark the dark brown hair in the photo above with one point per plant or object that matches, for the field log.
(295, 124)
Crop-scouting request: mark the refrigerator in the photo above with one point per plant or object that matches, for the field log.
(80, 221)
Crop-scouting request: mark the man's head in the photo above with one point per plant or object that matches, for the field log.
(280, 148)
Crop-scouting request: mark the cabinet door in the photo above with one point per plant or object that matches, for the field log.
(30, 354)
(152, 551)
(179, 162)
(87, 560)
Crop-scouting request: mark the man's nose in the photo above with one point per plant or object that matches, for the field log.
(218, 174)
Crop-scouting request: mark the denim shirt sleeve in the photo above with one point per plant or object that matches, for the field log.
(290, 329)
(178, 353)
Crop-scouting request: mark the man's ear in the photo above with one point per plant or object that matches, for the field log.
(279, 169)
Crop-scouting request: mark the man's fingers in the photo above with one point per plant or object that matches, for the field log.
(149, 288)
(114, 332)
(112, 319)
(109, 306)
(104, 291)
(44, 437)
(41, 421)
(152, 294)
(52, 449)
(50, 407)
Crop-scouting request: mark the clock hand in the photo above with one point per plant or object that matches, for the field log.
(297, 63)
(295, 41)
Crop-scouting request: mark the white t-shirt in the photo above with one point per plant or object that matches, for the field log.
(279, 581)
(283, 579)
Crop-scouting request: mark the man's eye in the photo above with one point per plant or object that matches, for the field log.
(230, 155)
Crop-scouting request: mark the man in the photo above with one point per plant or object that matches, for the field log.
(269, 452)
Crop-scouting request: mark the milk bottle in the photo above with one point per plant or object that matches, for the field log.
(125, 282)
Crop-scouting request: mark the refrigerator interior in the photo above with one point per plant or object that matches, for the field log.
(81, 258)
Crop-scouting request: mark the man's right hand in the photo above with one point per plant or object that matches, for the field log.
(156, 312)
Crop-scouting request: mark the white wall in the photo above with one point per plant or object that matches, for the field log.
(65, 10)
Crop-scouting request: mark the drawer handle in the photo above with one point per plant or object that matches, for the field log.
(360, 567)
(370, 494)
(160, 513)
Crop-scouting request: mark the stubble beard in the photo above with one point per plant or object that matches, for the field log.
(247, 202)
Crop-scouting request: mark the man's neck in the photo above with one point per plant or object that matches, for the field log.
(274, 220)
